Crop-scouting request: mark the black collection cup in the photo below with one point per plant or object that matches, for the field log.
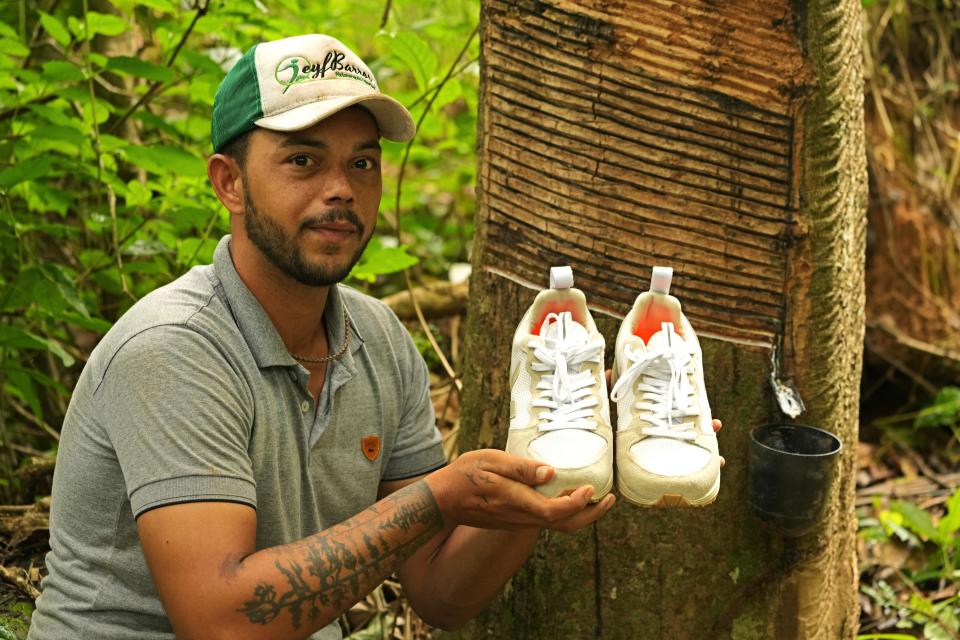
(792, 467)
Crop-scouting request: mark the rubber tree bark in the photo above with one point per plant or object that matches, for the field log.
(725, 140)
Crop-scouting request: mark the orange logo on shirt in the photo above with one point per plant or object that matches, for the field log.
(370, 445)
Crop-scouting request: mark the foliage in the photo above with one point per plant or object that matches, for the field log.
(15, 622)
(104, 126)
(944, 412)
(938, 545)
(912, 74)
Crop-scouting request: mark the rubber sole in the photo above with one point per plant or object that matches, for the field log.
(598, 494)
(669, 500)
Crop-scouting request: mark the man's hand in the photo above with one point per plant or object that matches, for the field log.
(491, 489)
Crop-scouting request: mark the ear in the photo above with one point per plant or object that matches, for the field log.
(227, 181)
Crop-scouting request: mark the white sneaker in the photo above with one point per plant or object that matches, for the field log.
(558, 401)
(667, 451)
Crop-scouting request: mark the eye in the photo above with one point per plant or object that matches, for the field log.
(301, 160)
(364, 163)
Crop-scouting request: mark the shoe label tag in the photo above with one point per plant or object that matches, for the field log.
(661, 279)
(561, 277)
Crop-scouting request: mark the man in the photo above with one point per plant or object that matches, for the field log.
(251, 449)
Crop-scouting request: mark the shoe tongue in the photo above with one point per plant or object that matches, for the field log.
(666, 339)
(565, 328)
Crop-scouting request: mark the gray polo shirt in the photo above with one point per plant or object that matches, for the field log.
(193, 396)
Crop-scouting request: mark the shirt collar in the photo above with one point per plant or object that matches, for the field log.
(258, 330)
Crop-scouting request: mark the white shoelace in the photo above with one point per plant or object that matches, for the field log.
(567, 396)
(664, 389)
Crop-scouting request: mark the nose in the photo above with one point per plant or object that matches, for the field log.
(337, 187)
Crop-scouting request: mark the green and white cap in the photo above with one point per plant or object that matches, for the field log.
(294, 83)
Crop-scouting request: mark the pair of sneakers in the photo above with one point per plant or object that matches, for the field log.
(666, 450)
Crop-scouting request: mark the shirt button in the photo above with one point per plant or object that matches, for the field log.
(304, 406)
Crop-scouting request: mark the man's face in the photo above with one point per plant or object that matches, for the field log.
(312, 196)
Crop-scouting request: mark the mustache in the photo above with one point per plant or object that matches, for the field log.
(334, 215)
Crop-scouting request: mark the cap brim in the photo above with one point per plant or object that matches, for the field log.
(393, 119)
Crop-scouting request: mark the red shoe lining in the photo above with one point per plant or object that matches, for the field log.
(558, 308)
(652, 321)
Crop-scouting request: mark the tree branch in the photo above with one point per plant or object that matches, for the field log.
(154, 87)
(386, 14)
(403, 166)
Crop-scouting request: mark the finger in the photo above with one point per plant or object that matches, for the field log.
(609, 375)
(587, 516)
(552, 511)
(717, 425)
(583, 494)
(525, 470)
(723, 461)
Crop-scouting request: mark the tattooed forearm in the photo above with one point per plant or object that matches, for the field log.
(331, 570)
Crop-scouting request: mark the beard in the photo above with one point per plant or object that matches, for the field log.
(284, 252)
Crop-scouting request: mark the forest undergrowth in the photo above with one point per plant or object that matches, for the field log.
(104, 121)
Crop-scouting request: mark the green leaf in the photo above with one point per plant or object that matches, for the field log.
(156, 122)
(916, 519)
(21, 383)
(125, 6)
(950, 523)
(65, 287)
(55, 113)
(46, 196)
(416, 55)
(944, 411)
(380, 260)
(93, 324)
(189, 219)
(97, 60)
(81, 95)
(109, 143)
(196, 251)
(945, 630)
(159, 5)
(59, 133)
(893, 523)
(450, 92)
(137, 194)
(140, 68)
(13, 47)
(106, 24)
(27, 170)
(57, 349)
(75, 26)
(5, 633)
(55, 28)
(8, 31)
(161, 160)
(19, 293)
(62, 71)
(16, 338)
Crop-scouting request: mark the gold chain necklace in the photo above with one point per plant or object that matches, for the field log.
(336, 356)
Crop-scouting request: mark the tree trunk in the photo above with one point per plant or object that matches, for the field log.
(725, 140)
